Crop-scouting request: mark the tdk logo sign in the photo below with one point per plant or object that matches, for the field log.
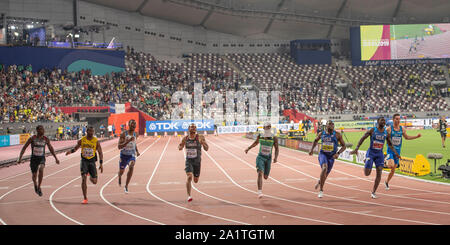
(179, 125)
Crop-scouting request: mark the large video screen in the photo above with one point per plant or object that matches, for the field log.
(397, 42)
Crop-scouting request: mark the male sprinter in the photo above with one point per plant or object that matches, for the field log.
(37, 161)
(89, 146)
(378, 135)
(443, 130)
(328, 152)
(396, 131)
(193, 143)
(264, 158)
(128, 152)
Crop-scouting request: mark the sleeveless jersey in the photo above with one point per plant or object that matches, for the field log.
(193, 148)
(396, 139)
(38, 146)
(266, 145)
(329, 143)
(130, 148)
(377, 139)
(88, 147)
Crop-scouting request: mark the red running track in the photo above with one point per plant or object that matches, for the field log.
(225, 194)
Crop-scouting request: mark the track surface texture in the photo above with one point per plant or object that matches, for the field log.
(225, 194)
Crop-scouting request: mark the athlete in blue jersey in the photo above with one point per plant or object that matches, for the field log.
(378, 135)
(397, 132)
(328, 153)
(128, 152)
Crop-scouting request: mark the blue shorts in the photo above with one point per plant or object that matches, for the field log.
(376, 157)
(391, 155)
(125, 160)
(325, 159)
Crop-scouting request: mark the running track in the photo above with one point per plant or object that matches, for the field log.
(225, 194)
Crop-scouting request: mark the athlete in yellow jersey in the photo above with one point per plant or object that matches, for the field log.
(89, 146)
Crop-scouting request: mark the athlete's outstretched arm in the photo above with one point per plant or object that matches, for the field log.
(342, 142)
(50, 148)
(364, 137)
(182, 144)
(100, 154)
(315, 143)
(23, 149)
(277, 150)
(408, 137)
(75, 148)
(253, 145)
(203, 142)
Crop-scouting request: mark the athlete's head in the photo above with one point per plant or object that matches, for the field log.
(90, 131)
(192, 128)
(396, 119)
(267, 126)
(330, 126)
(132, 125)
(381, 122)
(40, 130)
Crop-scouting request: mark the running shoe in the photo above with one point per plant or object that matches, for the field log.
(373, 195)
(189, 199)
(386, 185)
(260, 195)
(39, 192)
(320, 194)
(85, 201)
(126, 189)
(36, 189)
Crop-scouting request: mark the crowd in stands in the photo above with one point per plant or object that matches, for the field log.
(148, 84)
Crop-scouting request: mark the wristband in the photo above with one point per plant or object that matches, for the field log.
(72, 151)
(101, 161)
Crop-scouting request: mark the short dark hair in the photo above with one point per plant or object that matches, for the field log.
(380, 118)
(39, 126)
(396, 114)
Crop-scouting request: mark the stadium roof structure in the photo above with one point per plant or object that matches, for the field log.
(287, 19)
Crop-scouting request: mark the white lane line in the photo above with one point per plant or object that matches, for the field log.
(122, 210)
(178, 206)
(51, 196)
(322, 207)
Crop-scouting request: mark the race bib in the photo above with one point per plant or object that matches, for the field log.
(191, 153)
(396, 140)
(87, 152)
(266, 150)
(377, 145)
(327, 146)
(38, 151)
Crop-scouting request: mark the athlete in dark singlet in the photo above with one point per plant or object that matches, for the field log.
(193, 143)
(37, 161)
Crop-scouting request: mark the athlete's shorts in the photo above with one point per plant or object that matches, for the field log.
(193, 166)
(35, 162)
(87, 166)
(325, 159)
(125, 160)
(443, 134)
(391, 155)
(263, 163)
(372, 157)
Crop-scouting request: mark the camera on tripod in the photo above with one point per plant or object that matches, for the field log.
(445, 169)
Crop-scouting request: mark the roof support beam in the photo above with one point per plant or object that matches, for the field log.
(142, 6)
(267, 28)
(207, 17)
(341, 8)
(397, 8)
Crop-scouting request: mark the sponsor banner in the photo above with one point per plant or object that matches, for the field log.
(4, 140)
(415, 167)
(14, 139)
(178, 125)
(23, 138)
(346, 155)
(112, 108)
(237, 129)
(361, 156)
(353, 124)
(306, 146)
